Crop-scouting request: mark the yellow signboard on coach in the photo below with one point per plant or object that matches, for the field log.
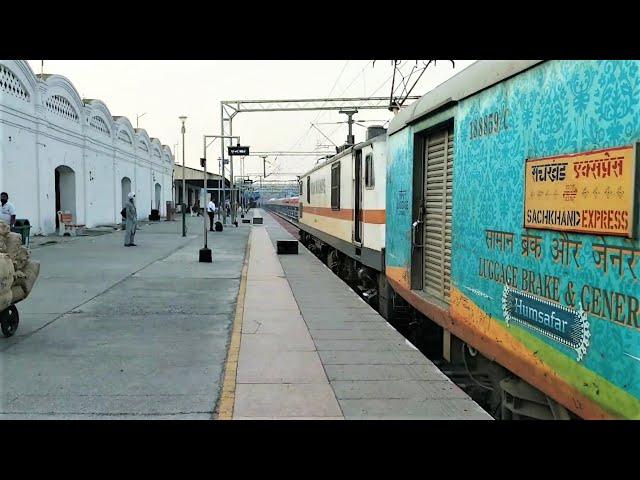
(590, 192)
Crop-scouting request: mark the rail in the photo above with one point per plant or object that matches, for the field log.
(288, 212)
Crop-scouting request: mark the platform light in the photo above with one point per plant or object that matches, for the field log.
(183, 118)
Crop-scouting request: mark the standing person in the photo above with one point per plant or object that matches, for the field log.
(132, 221)
(211, 210)
(7, 210)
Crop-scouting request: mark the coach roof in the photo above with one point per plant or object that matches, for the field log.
(337, 156)
(476, 77)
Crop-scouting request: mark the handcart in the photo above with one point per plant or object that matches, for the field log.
(9, 319)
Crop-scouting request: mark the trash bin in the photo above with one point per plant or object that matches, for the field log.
(170, 211)
(23, 227)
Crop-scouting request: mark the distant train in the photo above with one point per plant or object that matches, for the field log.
(496, 222)
(286, 207)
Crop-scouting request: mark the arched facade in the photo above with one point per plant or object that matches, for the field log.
(99, 162)
(44, 125)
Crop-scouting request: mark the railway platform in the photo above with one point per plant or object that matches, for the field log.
(112, 333)
(305, 346)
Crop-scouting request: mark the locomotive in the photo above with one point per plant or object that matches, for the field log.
(496, 222)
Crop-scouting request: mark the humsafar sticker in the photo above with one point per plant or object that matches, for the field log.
(589, 192)
(562, 324)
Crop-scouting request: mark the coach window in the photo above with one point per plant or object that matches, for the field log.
(369, 180)
(335, 186)
(301, 183)
(308, 189)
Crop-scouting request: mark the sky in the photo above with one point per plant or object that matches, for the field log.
(164, 90)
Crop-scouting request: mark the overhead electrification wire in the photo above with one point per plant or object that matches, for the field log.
(355, 78)
(360, 73)
(337, 123)
(374, 92)
(306, 132)
(321, 113)
(332, 88)
(387, 80)
(322, 133)
(406, 79)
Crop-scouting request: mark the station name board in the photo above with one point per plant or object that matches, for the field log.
(238, 150)
(590, 192)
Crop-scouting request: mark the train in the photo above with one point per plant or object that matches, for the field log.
(495, 223)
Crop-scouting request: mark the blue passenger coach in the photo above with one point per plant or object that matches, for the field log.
(514, 192)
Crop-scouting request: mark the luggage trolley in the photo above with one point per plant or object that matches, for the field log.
(9, 319)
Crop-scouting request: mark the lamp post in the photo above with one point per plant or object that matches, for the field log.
(140, 116)
(205, 253)
(222, 137)
(173, 174)
(220, 185)
(184, 182)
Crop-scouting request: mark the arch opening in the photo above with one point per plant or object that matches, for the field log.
(158, 189)
(126, 188)
(65, 186)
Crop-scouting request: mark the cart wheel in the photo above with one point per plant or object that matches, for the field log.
(9, 320)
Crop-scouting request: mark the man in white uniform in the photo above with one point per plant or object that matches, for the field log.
(7, 210)
(211, 210)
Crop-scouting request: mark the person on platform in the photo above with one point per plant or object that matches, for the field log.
(211, 210)
(131, 222)
(7, 210)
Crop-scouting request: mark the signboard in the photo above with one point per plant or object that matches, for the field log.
(591, 192)
(238, 150)
(558, 322)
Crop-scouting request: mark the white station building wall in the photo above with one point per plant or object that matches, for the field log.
(45, 127)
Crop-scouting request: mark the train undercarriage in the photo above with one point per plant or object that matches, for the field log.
(496, 389)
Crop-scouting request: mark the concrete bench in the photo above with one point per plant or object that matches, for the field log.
(287, 247)
(67, 227)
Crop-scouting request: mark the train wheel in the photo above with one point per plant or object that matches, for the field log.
(332, 261)
(9, 320)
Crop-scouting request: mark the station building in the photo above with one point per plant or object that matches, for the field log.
(194, 186)
(60, 152)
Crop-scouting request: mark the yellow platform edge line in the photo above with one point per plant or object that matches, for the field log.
(228, 394)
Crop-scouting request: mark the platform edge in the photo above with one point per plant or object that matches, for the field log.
(228, 394)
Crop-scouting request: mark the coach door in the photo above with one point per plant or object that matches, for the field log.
(357, 201)
(438, 202)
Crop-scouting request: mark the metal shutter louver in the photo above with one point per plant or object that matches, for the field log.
(438, 201)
